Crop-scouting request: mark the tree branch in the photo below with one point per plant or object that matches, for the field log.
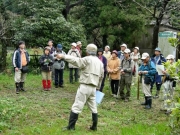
(143, 7)
(77, 3)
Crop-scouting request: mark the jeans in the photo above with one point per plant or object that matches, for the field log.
(59, 77)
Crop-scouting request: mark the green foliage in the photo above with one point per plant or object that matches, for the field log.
(46, 22)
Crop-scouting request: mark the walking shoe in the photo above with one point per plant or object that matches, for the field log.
(115, 95)
(126, 100)
(61, 86)
(56, 86)
(156, 96)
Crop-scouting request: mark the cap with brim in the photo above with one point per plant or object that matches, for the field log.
(107, 46)
(47, 48)
(127, 51)
(158, 49)
(170, 57)
(74, 44)
(124, 45)
(136, 48)
(100, 50)
(79, 43)
(144, 56)
(59, 46)
(114, 51)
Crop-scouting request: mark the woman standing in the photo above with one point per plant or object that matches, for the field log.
(104, 61)
(114, 72)
(135, 56)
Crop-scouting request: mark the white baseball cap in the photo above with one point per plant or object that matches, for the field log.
(144, 56)
(170, 56)
(136, 48)
(124, 45)
(74, 44)
(79, 43)
(107, 46)
(127, 51)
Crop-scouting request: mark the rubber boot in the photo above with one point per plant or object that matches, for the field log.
(44, 85)
(72, 121)
(157, 94)
(145, 103)
(95, 121)
(48, 84)
(22, 86)
(149, 103)
(17, 88)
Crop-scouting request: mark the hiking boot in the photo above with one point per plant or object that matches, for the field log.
(61, 86)
(126, 100)
(56, 86)
(17, 88)
(157, 94)
(149, 103)
(145, 103)
(21, 84)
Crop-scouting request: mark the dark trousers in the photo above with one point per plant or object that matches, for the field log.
(102, 83)
(71, 74)
(125, 82)
(58, 77)
(158, 86)
(114, 86)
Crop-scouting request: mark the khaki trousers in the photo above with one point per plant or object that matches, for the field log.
(85, 94)
(46, 75)
(146, 88)
(19, 76)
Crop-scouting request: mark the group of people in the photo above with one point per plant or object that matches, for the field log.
(121, 67)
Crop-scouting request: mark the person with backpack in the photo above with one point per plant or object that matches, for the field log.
(59, 66)
(73, 52)
(158, 59)
(121, 52)
(114, 73)
(20, 62)
(46, 62)
(147, 71)
(126, 69)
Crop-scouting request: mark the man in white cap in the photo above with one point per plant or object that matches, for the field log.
(90, 80)
(147, 71)
(126, 68)
(73, 52)
(79, 45)
(121, 52)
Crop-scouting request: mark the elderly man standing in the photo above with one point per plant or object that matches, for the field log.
(121, 52)
(92, 71)
(147, 71)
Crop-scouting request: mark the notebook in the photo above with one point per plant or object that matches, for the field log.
(99, 97)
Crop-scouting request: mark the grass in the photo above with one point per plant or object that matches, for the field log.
(36, 112)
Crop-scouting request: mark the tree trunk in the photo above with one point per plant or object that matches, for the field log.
(3, 54)
(104, 40)
(155, 36)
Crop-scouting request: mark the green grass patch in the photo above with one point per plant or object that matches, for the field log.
(46, 113)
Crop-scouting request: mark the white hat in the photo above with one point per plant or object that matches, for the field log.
(79, 43)
(144, 55)
(74, 44)
(124, 45)
(127, 51)
(107, 46)
(136, 48)
(170, 56)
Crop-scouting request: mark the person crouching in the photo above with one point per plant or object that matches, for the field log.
(46, 62)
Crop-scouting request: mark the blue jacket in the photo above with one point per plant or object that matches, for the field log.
(150, 67)
(158, 62)
(120, 55)
(17, 58)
